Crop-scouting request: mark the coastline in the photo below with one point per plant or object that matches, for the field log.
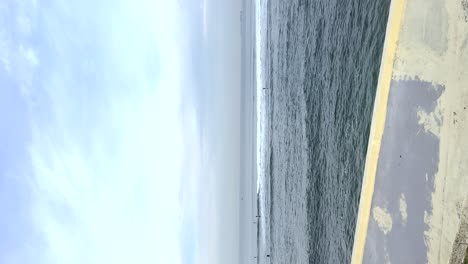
(428, 75)
(248, 127)
(377, 127)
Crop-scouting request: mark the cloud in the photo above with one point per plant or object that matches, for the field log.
(205, 16)
(104, 158)
(133, 155)
(116, 203)
(212, 102)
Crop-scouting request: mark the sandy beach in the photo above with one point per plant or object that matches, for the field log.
(248, 126)
(417, 148)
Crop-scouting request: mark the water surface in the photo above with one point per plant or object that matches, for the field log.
(319, 67)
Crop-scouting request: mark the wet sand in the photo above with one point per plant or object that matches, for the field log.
(416, 174)
(248, 132)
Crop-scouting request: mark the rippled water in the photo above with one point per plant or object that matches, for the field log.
(319, 66)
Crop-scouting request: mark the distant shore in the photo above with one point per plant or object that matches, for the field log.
(248, 127)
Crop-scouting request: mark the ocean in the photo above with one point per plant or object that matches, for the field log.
(318, 65)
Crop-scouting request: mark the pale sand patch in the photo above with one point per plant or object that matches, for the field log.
(433, 47)
(383, 219)
(430, 121)
(403, 209)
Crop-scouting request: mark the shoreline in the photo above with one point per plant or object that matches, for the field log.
(248, 127)
(377, 127)
(424, 124)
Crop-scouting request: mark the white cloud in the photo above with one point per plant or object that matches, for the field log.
(205, 17)
(23, 24)
(108, 192)
(29, 55)
(4, 38)
(113, 204)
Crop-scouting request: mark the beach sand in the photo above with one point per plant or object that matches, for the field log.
(421, 151)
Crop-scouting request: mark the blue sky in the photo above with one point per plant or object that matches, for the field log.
(119, 137)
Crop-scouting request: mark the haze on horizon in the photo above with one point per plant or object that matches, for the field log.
(120, 131)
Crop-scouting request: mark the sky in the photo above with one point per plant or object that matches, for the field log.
(119, 131)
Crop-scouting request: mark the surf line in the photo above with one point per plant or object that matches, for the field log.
(395, 18)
